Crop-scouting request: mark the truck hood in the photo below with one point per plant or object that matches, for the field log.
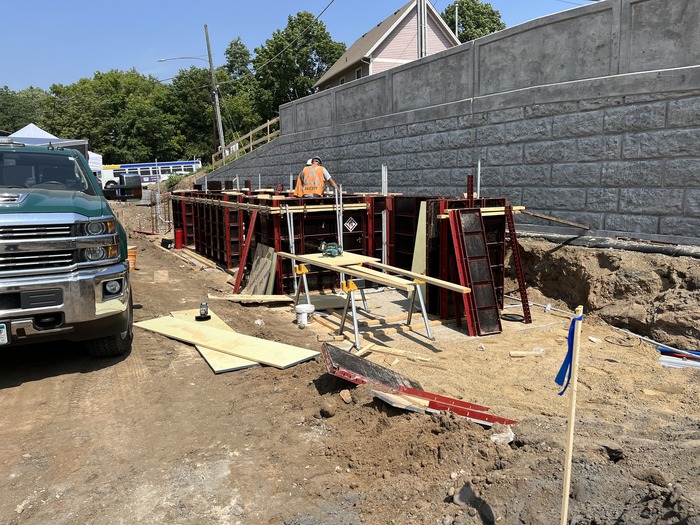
(52, 201)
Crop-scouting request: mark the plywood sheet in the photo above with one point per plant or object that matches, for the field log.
(270, 353)
(219, 362)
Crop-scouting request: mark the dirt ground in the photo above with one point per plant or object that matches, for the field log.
(156, 437)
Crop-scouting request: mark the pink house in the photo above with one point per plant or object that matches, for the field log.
(393, 42)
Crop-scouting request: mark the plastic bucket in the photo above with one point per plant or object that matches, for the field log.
(303, 311)
(131, 254)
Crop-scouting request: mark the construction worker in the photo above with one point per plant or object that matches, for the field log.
(312, 180)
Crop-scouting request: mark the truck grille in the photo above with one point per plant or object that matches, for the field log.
(35, 261)
(18, 233)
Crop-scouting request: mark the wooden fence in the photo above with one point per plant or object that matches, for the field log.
(260, 135)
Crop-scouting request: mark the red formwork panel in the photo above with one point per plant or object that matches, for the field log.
(313, 221)
(183, 215)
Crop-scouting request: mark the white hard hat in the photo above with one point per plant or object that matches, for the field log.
(308, 162)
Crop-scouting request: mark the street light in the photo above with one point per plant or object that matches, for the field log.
(215, 91)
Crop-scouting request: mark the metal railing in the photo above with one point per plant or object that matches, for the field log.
(247, 143)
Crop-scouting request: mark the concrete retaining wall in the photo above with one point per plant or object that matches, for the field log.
(591, 115)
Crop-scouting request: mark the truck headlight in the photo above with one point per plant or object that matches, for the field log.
(100, 227)
(100, 253)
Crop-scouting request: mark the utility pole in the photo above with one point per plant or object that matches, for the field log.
(215, 92)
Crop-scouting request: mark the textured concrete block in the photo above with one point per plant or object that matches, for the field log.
(632, 174)
(528, 130)
(648, 201)
(631, 223)
(550, 151)
(578, 124)
(506, 154)
(599, 148)
(692, 203)
(521, 175)
(407, 145)
(602, 200)
(491, 134)
(683, 113)
(666, 143)
(683, 172)
(636, 118)
(423, 160)
(578, 174)
(679, 226)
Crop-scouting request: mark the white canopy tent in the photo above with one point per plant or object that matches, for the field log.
(33, 134)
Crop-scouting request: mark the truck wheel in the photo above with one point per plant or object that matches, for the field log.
(111, 184)
(113, 345)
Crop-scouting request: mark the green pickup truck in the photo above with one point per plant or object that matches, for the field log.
(64, 272)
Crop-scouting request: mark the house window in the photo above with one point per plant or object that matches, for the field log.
(358, 73)
(342, 81)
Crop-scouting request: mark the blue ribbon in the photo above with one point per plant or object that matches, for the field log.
(564, 376)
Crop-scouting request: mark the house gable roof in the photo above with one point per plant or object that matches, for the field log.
(370, 41)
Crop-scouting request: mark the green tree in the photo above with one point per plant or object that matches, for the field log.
(125, 116)
(476, 19)
(289, 64)
(19, 108)
(237, 59)
(195, 112)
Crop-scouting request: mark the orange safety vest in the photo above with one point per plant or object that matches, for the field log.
(310, 182)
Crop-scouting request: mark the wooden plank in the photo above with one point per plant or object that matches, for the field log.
(403, 402)
(379, 277)
(270, 353)
(341, 263)
(219, 362)
(431, 280)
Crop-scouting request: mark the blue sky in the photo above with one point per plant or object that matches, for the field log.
(47, 43)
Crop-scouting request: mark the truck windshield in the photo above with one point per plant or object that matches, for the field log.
(29, 170)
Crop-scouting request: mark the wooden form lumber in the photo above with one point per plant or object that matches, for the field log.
(274, 210)
(555, 219)
(349, 263)
(490, 211)
(430, 280)
(330, 263)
